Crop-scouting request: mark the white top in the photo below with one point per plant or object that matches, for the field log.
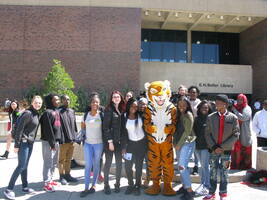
(259, 123)
(135, 133)
(194, 104)
(93, 129)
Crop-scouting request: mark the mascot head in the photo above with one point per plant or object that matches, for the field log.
(158, 92)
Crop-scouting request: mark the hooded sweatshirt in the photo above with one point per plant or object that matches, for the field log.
(50, 123)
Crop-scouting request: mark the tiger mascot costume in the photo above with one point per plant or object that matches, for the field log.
(160, 124)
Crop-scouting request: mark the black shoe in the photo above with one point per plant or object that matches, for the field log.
(195, 170)
(129, 189)
(181, 191)
(74, 164)
(5, 155)
(69, 178)
(92, 190)
(137, 191)
(62, 180)
(188, 196)
(117, 188)
(84, 193)
(107, 189)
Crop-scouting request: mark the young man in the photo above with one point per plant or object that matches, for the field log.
(51, 136)
(194, 92)
(221, 133)
(69, 128)
(259, 125)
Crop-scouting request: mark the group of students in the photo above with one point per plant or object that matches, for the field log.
(118, 130)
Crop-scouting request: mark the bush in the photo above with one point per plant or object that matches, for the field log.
(82, 99)
(60, 82)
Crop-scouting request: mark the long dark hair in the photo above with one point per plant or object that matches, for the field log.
(10, 110)
(201, 104)
(188, 109)
(128, 106)
(121, 104)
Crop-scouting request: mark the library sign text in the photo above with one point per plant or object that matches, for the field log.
(215, 85)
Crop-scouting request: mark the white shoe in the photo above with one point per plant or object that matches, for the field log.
(199, 188)
(204, 191)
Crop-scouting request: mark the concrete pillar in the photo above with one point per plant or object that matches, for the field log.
(189, 46)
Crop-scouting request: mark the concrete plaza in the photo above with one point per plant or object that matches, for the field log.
(71, 192)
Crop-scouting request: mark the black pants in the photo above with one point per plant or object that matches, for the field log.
(118, 160)
(138, 151)
(262, 142)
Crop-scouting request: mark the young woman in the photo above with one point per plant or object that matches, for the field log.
(242, 153)
(185, 146)
(133, 145)
(13, 114)
(93, 144)
(202, 151)
(112, 138)
(25, 136)
(128, 95)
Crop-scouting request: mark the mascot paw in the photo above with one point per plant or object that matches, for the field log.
(167, 190)
(153, 190)
(169, 129)
(152, 129)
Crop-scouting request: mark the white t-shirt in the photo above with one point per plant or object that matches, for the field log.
(93, 129)
(135, 133)
(194, 104)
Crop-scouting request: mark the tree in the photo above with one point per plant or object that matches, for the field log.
(60, 82)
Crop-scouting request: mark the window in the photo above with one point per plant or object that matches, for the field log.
(216, 48)
(163, 45)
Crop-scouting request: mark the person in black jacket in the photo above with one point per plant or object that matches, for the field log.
(112, 138)
(202, 150)
(133, 145)
(13, 114)
(51, 136)
(69, 128)
(25, 134)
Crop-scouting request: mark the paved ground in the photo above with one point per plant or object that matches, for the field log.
(237, 191)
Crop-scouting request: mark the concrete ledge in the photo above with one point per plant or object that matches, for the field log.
(261, 159)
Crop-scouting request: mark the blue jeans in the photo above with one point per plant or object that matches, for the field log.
(92, 156)
(204, 158)
(24, 155)
(221, 163)
(184, 154)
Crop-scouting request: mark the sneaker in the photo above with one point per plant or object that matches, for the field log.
(117, 188)
(145, 184)
(54, 183)
(92, 190)
(199, 188)
(107, 189)
(62, 180)
(180, 191)
(84, 193)
(27, 190)
(49, 187)
(137, 191)
(188, 196)
(129, 190)
(210, 197)
(9, 194)
(223, 196)
(100, 178)
(71, 179)
(203, 191)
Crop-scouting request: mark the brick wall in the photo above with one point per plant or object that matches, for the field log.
(100, 47)
(253, 51)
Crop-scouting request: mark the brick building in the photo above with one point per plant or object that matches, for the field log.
(219, 45)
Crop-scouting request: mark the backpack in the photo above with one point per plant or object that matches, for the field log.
(15, 126)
